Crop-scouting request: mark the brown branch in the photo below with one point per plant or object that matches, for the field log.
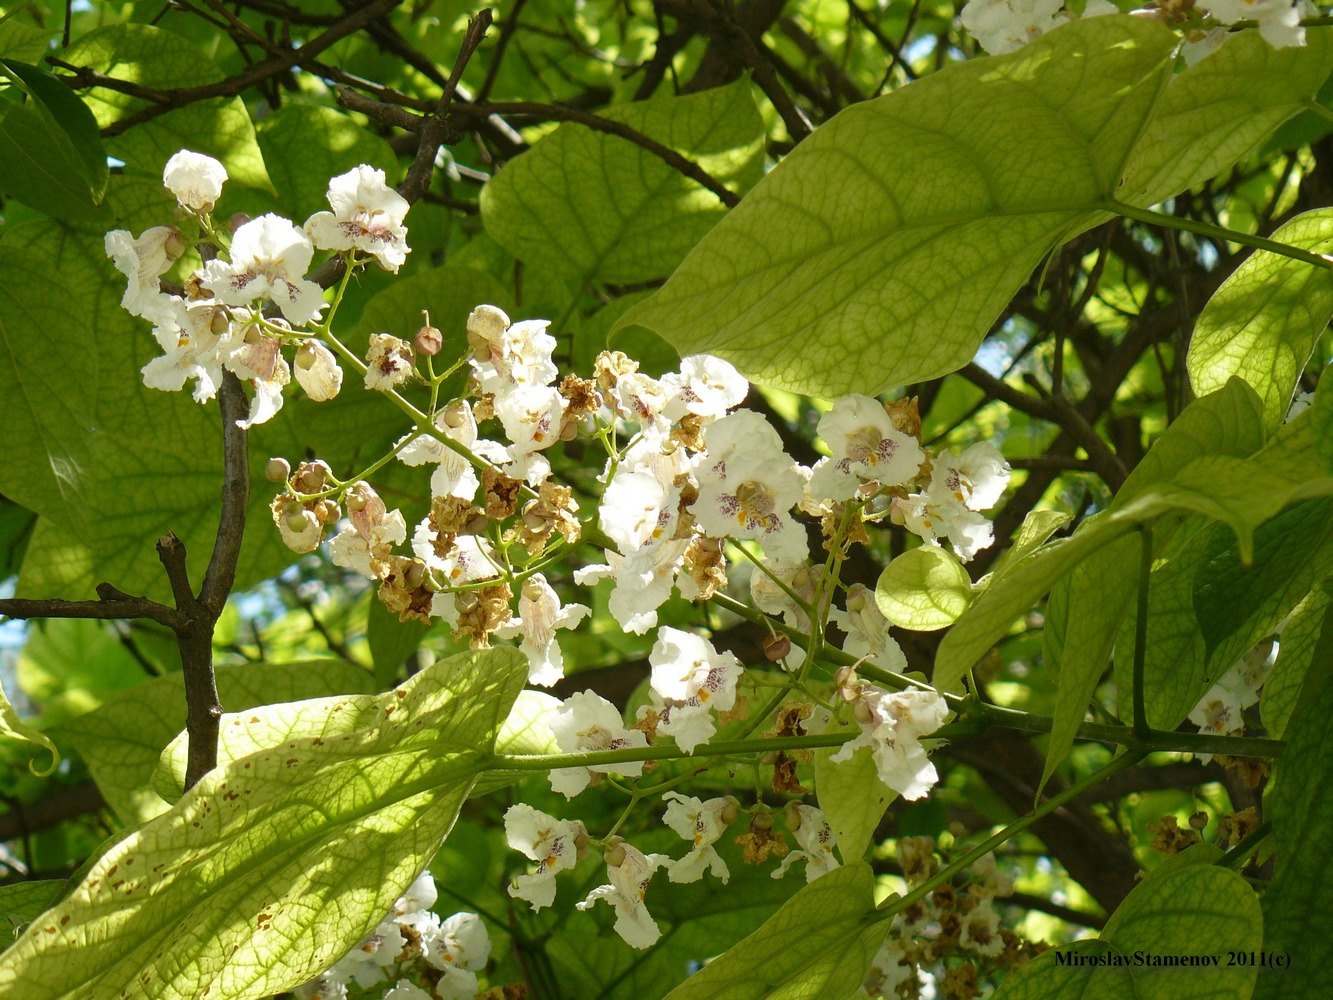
(107, 609)
(221, 572)
(163, 101)
(557, 112)
(32, 817)
(435, 128)
(507, 30)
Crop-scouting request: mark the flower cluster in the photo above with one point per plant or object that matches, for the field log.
(1001, 26)
(217, 321)
(412, 939)
(1220, 712)
(892, 724)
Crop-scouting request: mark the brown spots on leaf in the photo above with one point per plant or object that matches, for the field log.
(231, 796)
(64, 920)
(112, 870)
(262, 921)
(291, 761)
(254, 718)
(317, 742)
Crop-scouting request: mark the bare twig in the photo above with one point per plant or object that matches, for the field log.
(126, 607)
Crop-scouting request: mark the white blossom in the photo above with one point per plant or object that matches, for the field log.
(195, 180)
(628, 884)
(371, 534)
(932, 519)
(691, 678)
(198, 339)
(454, 475)
(747, 486)
(531, 416)
(540, 614)
(269, 259)
(705, 387)
(981, 930)
(552, 843)
(406, 990)
(142, 261)
(892, 724)
(259, 361)
(1279, 20)
(587, 722)
(388, 362)
(975, 479)
(702, 824)
(888, 970)
(317, 371)
(1001, 26)
(508, 355)
(367, 215)
(815, 836)
(643, 582)
(868, 630)
(458, 947)
(866, 447)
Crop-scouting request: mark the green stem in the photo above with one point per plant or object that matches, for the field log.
(721, 748)
(892, 907)
(1217, 233)
(1141, 728)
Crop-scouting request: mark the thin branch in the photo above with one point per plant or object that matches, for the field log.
(507, 30)
(221, 572)
(436, 127)
(129, 607)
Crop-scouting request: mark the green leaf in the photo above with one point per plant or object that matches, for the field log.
(70, 666)
(269, 869)
(292, 714)
(881, 250)
(51, 155)
(1263, 323)
(154, 57)
(1301, 894)
(925, 588)
(597, 206)
(12, 727)
(20, 902)
(819, 944)
(1305, 641)
(305, 145)
(1188, 908)
(1219, 109)
(1095, 596)
(391, 641)
(122, 741)
(1036, 528)
(852, 798)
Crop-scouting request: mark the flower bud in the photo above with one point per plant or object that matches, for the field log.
(762, 821)
(356, 501)
(793, 816)
(328, 511)
(455, 415)
(730, 811)
(863, 713)
(580, 840)
(296, 519)
(429, 339)
(306, 356)
(614, 852)
(845, 677)
(777, 647)
(415, 575)
(1199, 820)
(277, 470)
(174, 243)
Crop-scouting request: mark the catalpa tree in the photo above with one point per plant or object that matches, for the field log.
(690, 498)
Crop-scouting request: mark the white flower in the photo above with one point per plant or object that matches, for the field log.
(1218, 713)
(640, 399)
(551, 842)
(747, 486)
(586, 722)
(405, 990)
(705, 386)
(458, 947)
(691, 678)
(981, 930)
(506, 356)
(815, 836)
(365, 964)
(701, 823)
(142, 261)
(373, 532)
(991, 881)
(1007, 25)
(866, 448)
(367, 215)
(269, 259)
(455, 475)
(1279, 20)
(1247, 675)
(643, 582)
(326, 987)
(388, 362)
(539, 615)
(892, 724)
(932, 519)
(531, 416)
(628, 885)
(888, 969)
(868, 630)
(420, 895)
(198, 339)
(641, 505)
(259, 361)
(974, 480)
(195, 179)
(317, 371)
